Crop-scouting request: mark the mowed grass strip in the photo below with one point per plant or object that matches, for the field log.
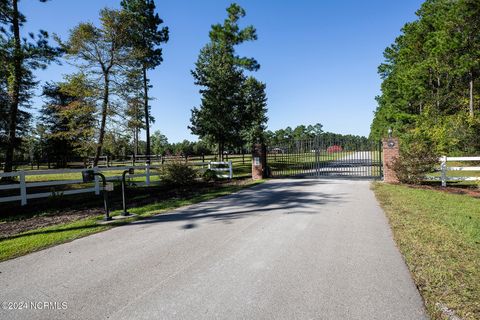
(439, 235)
(37, 239)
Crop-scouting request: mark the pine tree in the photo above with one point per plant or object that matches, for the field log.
(4, 99)
(101, 52)
(146, 36)
(159, 143)
(55, 125)
(217, 118)
(67, 120)
(20, 58)
(131, 92)
(222, 117)
(255, 111)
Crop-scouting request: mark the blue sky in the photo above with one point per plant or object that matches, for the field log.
(318, 58)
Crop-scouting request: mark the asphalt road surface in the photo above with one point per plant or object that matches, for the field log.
(287, 249)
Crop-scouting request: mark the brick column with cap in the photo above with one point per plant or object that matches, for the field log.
(391, 152)
(259, 161)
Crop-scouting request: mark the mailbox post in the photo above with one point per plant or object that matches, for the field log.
(89, 176)
(125, 213)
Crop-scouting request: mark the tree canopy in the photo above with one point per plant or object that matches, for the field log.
(233, 106)
(430, 85)
(102, 51)
(20, 57)
(146, 36)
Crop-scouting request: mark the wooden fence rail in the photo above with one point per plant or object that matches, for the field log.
(444, 169)
(149, 172)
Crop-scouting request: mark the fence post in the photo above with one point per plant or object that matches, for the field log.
(230, 170)
(390, 152)
(443, 167)
(147, 174)
(23, 188)
(97, 183)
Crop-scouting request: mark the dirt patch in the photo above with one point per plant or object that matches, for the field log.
(10, 228)
(473, 192)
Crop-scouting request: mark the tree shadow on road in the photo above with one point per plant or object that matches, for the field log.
(277, 197)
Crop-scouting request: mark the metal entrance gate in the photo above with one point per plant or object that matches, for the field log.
(345, 157)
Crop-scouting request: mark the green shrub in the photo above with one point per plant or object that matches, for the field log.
(179, 173)
(453, 135)
(210, 175)
(416, 160)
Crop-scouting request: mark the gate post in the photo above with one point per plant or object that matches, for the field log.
(259, 161)
(391, 152)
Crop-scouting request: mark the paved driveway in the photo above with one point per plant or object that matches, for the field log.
(287, 249)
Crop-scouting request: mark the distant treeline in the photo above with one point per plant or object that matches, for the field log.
(119, 146)
(314, 133)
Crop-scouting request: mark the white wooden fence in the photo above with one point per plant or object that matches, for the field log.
(104, 159)
(143, 158)
(149, 172)
(213, 165)
(444, 169)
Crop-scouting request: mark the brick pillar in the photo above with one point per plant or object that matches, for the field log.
(259, 161)
(390, 153)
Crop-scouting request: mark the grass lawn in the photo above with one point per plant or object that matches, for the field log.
(439, 235)
(242, 170)
(41, 238)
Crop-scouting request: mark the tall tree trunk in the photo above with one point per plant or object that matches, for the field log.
(222, 149)
(147, 115)
(471, 95)
(15, 89)
(136, 141)
(106, 88)
(137, 129)
(438, 93)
